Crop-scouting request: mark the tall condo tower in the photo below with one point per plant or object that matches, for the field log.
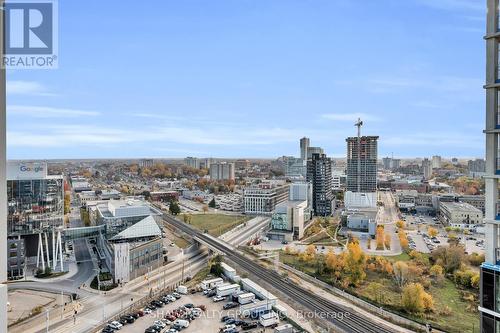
(489, 306)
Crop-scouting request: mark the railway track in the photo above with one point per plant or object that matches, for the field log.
(343, 318)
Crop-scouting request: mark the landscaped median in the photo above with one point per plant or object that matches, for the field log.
(214, 224)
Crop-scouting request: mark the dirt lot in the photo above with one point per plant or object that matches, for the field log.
(24, 303)
(208, 322)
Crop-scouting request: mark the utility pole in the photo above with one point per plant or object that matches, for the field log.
(359, 124)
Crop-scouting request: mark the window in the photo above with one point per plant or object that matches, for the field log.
(488, 290)
(488, 324)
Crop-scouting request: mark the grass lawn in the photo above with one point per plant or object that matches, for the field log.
(217, 224)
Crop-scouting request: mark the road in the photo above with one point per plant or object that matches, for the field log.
(320, 307)
(97, 308)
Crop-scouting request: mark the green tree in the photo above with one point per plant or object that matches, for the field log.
(211, 204)
(174, 208)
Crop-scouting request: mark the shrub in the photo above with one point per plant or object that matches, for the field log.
(415, 299)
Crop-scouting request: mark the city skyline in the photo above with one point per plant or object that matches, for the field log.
(233, 81)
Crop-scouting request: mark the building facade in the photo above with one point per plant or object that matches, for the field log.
(35, 203)
(319, 174)
(477, 167)
(304, 147)
(192, 162)
(436, 162)
(459, 214)
(295, 167)
(489, 306)
(427, 168)
(362, 164)
(222, 171)
(261, 199)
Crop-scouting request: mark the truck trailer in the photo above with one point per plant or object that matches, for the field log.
(227, 289)
(246, 298)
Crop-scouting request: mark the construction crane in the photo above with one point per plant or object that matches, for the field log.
(358, 125)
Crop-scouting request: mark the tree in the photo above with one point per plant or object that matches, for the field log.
(432, 232)
(211, 204)
(354, 263)
(400, 273)
(400, 224)
(205, 209)
(379, 237)
(309, 254)
(403, 240)
(174, 208)
(415, 300)
(450, 257)
(387, 241)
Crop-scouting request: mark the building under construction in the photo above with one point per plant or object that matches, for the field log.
(362, 163)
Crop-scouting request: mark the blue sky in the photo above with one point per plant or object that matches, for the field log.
(248, 78)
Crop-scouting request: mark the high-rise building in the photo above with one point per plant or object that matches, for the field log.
(319, 174)
(476, 167)
(205, 163)
(222, 171)
(362, 164)
(192, 162)
(304, 146)
(387, 162)
(314, 150)
(427, 168)
(35, 203)
(436, 162)
(295, 167)
(489, 306)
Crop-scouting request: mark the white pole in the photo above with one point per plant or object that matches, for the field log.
(47, 320)
(55, 258)
(54, 254)
(60, 249)
(40, 244)
(47, 249)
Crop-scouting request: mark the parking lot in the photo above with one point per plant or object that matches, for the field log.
(419, 240)
(208, 321)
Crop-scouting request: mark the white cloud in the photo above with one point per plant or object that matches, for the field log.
(47, 111)
(352, 117)
(19, 87)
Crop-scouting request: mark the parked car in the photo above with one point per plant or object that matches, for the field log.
(107, 329)
(147, 310)
(218, 298)
(230, 305)
(249, 326)
(176, 295)
(127, 318)
(159, 323)
(189, 305)
(115, 325)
